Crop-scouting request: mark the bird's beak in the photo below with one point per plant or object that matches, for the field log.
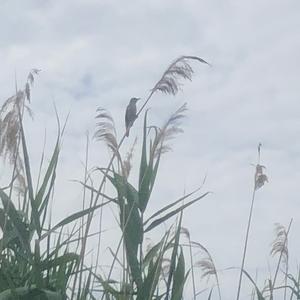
(137, 99)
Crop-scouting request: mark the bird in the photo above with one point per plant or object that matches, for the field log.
(130, 114)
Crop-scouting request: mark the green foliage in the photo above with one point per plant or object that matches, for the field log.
(40, 260)
(145, 271)
(20, 265)
(36, 262)
(28, 271)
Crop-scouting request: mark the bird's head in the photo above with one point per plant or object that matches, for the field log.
(134, 100)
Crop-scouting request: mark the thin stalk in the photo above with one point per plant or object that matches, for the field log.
(281, 254)
(99, 240)
(248, 225)
(123, 244)
(118, 247)
(81, 265)
(245, 245)
(216, 275)
(141, 245)
(41, 163)
(192, 268)
(218, 285)
(83, 207)
(285, 278)
(174, 254)
(160, 258)
(85, 180)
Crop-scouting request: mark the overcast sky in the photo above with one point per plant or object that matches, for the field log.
(102, 53)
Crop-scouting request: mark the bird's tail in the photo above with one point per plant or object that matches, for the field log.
(127, 132)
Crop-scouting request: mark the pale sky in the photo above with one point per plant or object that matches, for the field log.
(102, 53)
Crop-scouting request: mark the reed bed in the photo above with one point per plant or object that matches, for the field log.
(42, 260)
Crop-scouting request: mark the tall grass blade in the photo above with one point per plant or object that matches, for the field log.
(49, 174)
(160, 211)
(158, 221)
(16, 220)
(258, 292)
(150, 282)
(210, 294)
(35, 220)
(174, 257)
(72, 218)
(179, 278)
